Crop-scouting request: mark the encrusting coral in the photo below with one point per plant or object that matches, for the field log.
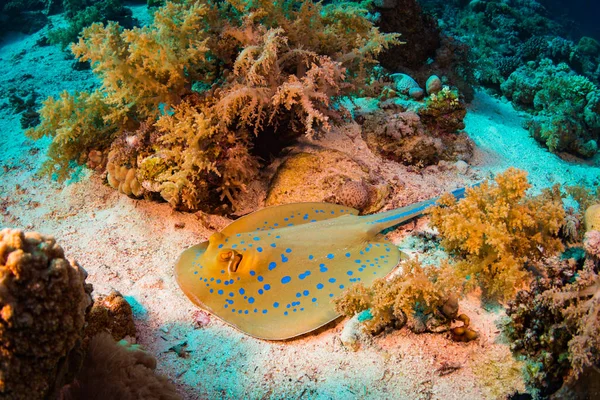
(43, 303)
(209, 79)
(497, 229)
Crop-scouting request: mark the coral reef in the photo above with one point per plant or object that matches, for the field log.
(113, 370)
(424, 137)
(418, 296)
(43, 303)
(566, 106)
(496, 229)
(420, 34)
(212, 81)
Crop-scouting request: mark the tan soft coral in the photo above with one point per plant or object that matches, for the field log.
(496, 229)
(579, 303)
(43, 302)
(417, 296)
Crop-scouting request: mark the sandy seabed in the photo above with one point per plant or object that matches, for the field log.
(132, 245)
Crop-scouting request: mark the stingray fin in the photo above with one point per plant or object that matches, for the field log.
(287, 215)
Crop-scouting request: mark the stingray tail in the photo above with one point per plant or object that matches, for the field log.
(391, 218)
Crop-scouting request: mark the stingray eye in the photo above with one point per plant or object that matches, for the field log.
(225, 255)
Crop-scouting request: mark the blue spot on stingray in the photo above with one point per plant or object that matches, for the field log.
(304, 275)
(250, 300)
(260, 291)
(231, 294)
(260, 278)
(218, 281)
(256, 238)
(298, 294)
(252, 273)
(220, 246)
(276, 304)
(196, 273)
(305, 292)
(285, 313)
(284, 258)
(242, 291)
(286, 219)
(347, 254)
(330, 256)
(273, 245)
(226, 283)
(319, 286)
(226, 305)
(220, 291)
(331, 280)
(275, 224)
(264, 311)
(286, 279)
(295, 303)
(357, 261)
(222, 271)
(322, 267)
(350, 273)
(259, 249)
(277, 237)
(310, 257)
(314, 299)
(272, 265)
(288, 250)
(305, 216)
(234, 246)
(330, 294)
(211, 290)
(246, 312)
(229, 301)
(341, 286)
(267, 287)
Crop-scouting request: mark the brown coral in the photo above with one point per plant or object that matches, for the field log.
(118, 371)
(110, 314)
(411, 139)
(43, 301)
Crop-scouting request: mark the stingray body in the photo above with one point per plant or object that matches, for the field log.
(273, 273)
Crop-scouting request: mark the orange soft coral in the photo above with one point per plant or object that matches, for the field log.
(496, 229)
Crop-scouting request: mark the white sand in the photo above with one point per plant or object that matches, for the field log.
(131, 246)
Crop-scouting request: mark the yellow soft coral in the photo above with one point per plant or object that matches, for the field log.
(143, 67)
(496, 229)
(76, 124)
(413, 296)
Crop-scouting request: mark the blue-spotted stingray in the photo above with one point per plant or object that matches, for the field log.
(273, 273)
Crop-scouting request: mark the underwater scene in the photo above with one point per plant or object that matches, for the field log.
(251, 199)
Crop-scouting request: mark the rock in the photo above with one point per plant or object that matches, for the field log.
(433, 84)
(416, 93)
(404, 83)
